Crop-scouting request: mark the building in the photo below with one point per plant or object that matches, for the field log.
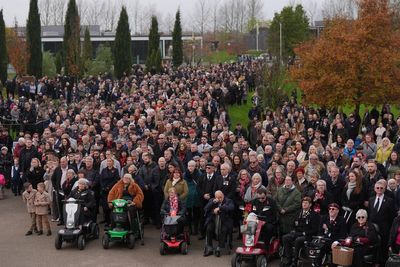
(52, 39)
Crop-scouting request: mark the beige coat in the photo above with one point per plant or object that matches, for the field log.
(29, 200)
(42, 202)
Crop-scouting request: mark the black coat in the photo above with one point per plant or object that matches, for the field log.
(336, 189)
(322, 204)
(158, 178)
(355, 202)
(166, 207)
(394, 232)
(226, 212)
(227, 185)
(108, 178)
(35, 176)
(267, 209)
(384, 217)
(26, 157)
(88, 198)
(336, 228)
(206, 186)
(307, 225)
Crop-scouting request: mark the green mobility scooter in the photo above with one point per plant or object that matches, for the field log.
(121, 230)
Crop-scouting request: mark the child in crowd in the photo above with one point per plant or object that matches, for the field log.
(42, 202)
(29, 199)
(16, 181)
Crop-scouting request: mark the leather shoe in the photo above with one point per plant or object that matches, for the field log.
(207, 252)
(217, 252)
(202, 237)
(29, 232)
(59, 223)
(40, 232)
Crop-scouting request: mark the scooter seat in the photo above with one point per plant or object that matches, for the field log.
(369, 259)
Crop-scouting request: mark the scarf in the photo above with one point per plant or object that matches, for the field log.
(175, 181)
(173, 203)
(350, 188)
(243, 184)
(254, 189)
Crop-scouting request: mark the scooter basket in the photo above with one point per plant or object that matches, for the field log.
(313, 250)
(171, 230)
(342, 256)
(120, 217)
(393, 261)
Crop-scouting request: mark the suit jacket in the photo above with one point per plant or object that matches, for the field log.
(384, 217)
(227, 186)
(336, 229)
(206, 186)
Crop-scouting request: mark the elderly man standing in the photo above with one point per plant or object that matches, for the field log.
(382, 212)
(219, 209)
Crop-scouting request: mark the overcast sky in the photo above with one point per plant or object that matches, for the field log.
(19, 8)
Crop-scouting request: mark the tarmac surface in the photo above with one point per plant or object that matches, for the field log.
(18, 250)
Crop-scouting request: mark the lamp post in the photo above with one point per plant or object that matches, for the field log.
(280, 42)
(257, 34)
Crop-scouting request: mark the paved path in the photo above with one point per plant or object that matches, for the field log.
(18, 250)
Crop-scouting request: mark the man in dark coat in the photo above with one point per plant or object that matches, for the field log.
(381, 210)
(206, 191)
(27, 154)
(265, 207)
(226, 182)
(223, 208)
(306, 226)
(335, 184)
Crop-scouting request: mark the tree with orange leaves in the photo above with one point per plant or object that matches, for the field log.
(354, 62)
(17, 51)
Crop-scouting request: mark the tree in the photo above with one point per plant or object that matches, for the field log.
(72, 43)
(354, 62)
(295, 29)
(200, 15)
(103, 61)
(123, 46)
(34, 41)
(87, 50)
(177, 44)
(3, 50)
(17, 51)
(49, 67)
(153, 62)
(58, 62)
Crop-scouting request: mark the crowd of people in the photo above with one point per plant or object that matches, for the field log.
(320, 171)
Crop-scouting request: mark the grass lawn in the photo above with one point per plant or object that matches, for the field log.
(289, 87)
(239, 113)
(219, 57)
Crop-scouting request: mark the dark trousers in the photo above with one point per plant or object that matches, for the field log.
(358, 255)
(156, 207)
(211, 234)
(202, 221)
(194, 219)
(288, 241)
(104, 205)
(60, 207)
(16, 185)
(267, 232)
(148, 204)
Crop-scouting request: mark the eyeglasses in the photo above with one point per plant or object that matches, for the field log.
(360, 217)
(332, 208)
(251, 162)
(379, 188)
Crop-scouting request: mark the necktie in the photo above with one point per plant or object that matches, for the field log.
(209, 177)
(377, 205)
